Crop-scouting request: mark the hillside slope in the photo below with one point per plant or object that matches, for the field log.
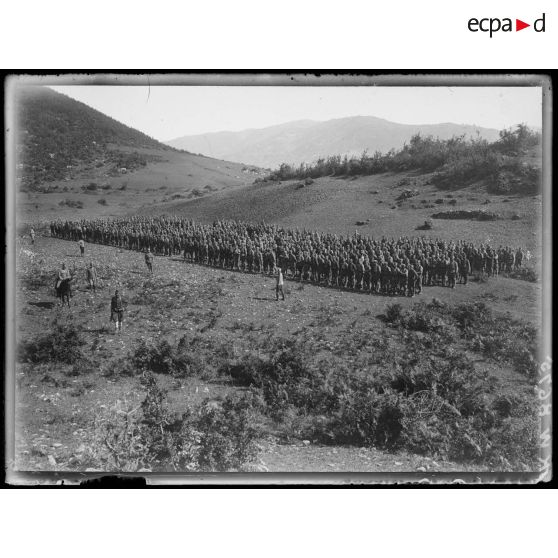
(58, 135)
(336, 205)
(73, 160)
(59, 406)
(306, 140)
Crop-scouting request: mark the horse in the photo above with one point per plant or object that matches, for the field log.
(64, 291)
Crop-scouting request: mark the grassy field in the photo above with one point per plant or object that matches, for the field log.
(197, 339)
(336, 204)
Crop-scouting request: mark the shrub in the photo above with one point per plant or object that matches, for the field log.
(219, 435)
(524, 274)
(454, 161)
(62, 344)
(71, 203)
(228, 432)
(406, 194)
(163, 358)
(245, 372)
(478, 215)
(145, 437)
(394, 313)
(102, 201)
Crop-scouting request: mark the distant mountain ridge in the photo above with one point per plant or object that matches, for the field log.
(56, 133)
(304, 141)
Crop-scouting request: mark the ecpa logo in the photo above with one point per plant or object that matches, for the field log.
(492, 25)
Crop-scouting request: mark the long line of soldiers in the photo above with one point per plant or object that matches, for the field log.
(390, 266)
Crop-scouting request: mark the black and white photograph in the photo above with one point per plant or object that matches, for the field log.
(278, 278)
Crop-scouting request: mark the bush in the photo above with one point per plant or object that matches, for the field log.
(246, 372)
(524, 274)
(394, 313)
(219, 435)
(102, 201)
(455, 161)
(163, 358)
(71, 203)
(228, 432)
(427, 226)
(62, 344)
(478, 215)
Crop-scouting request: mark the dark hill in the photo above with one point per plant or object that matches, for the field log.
(59, 137)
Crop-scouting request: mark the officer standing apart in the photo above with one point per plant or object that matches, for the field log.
(149, 260)
(92, 277)
(117, 311)
(279, 286)
(81, 244)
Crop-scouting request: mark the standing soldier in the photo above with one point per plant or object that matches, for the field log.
(279, 286)
(92, 277)
(117, 311)
(81, 244)
(452, 272)
(149, 260)
(419, 272)
(375, 276)
(32, 235)
(412, 281)
(464, 269)
(518, 258)
(403, 279)
(489, 263)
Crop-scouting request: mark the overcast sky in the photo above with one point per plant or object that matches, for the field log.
(168, 112)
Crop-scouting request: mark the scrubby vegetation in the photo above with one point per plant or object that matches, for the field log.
(454, 162)
(498, 338)
(422, 394)
(200, 390)
(524, 274)
(62, 344)
(428, 225)
(430, 402)
(217, 435)
(71, 203)
(473, 214)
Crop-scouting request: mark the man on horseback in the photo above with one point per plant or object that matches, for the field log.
(63, 273)
(63, 284)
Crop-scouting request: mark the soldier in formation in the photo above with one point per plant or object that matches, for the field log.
(401, 266)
